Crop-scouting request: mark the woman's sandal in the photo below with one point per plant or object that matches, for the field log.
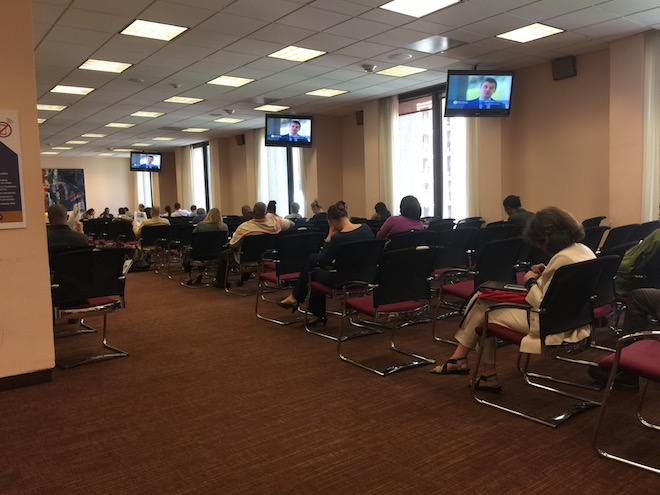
(488, 384)
(460, 367)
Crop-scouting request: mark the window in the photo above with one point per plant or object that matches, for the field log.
(201, 193)
(144, 188)
(280, 178)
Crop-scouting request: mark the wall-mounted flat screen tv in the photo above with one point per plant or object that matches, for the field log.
(478, 93)
(145, 162)
(289, 130)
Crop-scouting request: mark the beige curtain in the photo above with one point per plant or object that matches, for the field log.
(388, 150)
(651, 160)
(184, 177)
(472, 168)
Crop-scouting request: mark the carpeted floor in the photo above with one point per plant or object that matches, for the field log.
(212, 400)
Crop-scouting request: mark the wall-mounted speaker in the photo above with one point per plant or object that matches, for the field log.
(564, 67)
(240, 139)
(359, 117)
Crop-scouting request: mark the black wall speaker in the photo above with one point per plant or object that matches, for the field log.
(240, 139)
(564, 67)
(359, 117)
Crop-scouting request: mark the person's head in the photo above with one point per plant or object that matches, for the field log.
(294, 127)
(193, 207)
(200, 211)
(155, 211)
(295, 207)
(259, 210)
(122, 211)
(57, 215)
(246, 209)
(106, 210)
(487, 87)
(140, 207)
(552, 229)
(213, 216)
(272, 206)
(381, 209)
(316, 206)
(168, 209)
(337, 214)
(511, 204)
(410, 208)
(90, 213)
(177, 206)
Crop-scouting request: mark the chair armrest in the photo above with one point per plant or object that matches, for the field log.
(632, 337)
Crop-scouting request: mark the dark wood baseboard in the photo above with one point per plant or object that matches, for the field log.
(26, 380)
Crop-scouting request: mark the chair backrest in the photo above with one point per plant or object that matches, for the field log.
(411, 239)
(82, 274)
(358, 260)
(645, 229)
(440, 224)
(115, 230)
(470, 222)
(182, 232)
(488, 234)
(619, 235)
(605, 291)
(320, 224)
(567, 303)
(617, 250)
(298, 229)
(149, 234)
(456, 243)
(207, 245)
(95, 226)
(593, 236)
(293, 250)
(404, 275)
(592, 222)
(254, 245)
(497, 261)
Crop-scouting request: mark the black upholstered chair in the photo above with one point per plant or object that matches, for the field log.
(619, 235)
(593, 236)
(592, 222)
(413, 238)
(250, 255)
(203, 253)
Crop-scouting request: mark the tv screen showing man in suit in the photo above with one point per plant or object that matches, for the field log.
(476, 93)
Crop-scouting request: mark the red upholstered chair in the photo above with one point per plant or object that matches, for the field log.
(287, 258)
(637, 354)
(400, 292)
(252, 247)
(567, 305)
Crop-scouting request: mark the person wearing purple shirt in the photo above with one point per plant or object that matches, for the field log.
(411, 211)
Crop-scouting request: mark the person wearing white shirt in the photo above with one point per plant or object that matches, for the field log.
(180, 212)
(140, 215)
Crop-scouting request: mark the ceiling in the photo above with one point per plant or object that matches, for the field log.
(235, 37)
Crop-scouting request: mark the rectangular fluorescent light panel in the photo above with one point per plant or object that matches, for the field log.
(400, 71)
(162, 139)
(41, 121)
(104, 66)
(235, 82)
(71, 90)
(183, 99)
(50, 152)
(327, 92)
(51, 108)
(153, 30)
(417, 8)
(229, 120)
(94, 135)
(141, 145)
(151, 115)
(296, 54)
(106, 154)
(270, 108)
(122, 150)
(62, 148)
(530, 33)
(77, 142)
(119, 125)
(195, 129)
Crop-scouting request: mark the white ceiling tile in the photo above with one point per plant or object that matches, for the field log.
(127, 8)
(398, 37)
(581, 18)
(349, 8)
(172, 13)
(232, 24)
(613, 28)
(335, 61)
(327, 42)
(284, 35)
(101, 22)
(461, 14)
(359, 29)
(498, 24)
(253, 47)
(206, 39)
(627, 7)
(427, 27)
(270, 10)
(647, 18)
(364, 49)
(313, 18)
(545, 9)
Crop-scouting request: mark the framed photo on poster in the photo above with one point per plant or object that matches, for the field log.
(64, 186)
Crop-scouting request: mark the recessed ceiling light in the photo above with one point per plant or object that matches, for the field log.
(195, 129)
(228, 120)
(122, 150)
(153, 30)
(162, 139)
(104, 66)
(71, 90)
(90, 135)
(400, 57)
(140, 145)
(418, 8)
(400, 71)
(62, 148)
(41, 121)
(147, 114)
(51, 108)
(50, 152)
(530, 33)
(120, 125)
(327, 92)
(235, 82)
(271, 108)
(296, 54)
(77, 142)
(106, 154)
(183, 99)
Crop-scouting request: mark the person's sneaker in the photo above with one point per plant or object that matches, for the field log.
(622, 381)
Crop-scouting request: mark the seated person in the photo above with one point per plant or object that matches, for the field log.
(341, 231)
(486, 89)
(295, 211)
(88, 215)
(382, 213)
(154, 220)
(558, 234)
(260, 224)
(518, 216)
(213, 222)
(180, 212)
(634, 261)
(123, 216)
(411, 212)
(140, 215)
(246, 213)
(200, 215)
(318, 211)
(106, 214)
(271, 207)
(59, 234)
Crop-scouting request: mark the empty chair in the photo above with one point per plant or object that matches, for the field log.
(438, 224)
(486, 235)
(592, 222)
(203, 253)
(414, 238)
(470, 222)
(593, 236)
(619, 235)
(401, 289)
(456, 242)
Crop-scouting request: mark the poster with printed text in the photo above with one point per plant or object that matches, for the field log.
(12, 212)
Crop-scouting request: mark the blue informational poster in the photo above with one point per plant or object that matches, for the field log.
(12, 212)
